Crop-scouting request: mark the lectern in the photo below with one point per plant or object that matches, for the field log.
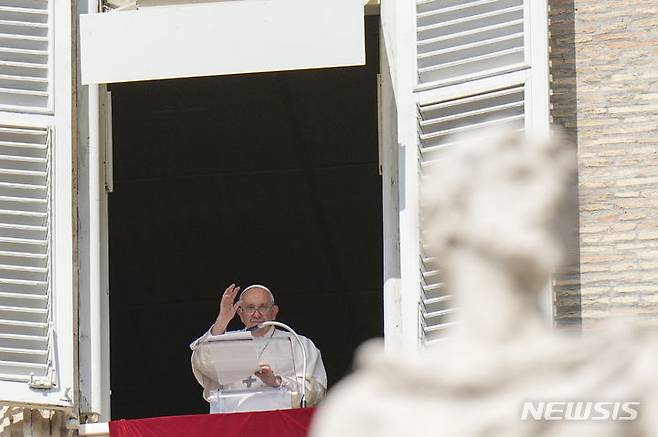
(224, 365)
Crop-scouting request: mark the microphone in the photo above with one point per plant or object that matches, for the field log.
(302, 402)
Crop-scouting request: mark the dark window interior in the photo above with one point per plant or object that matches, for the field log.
(269, 178)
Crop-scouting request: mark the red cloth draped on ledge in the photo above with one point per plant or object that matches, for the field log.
(279, 423)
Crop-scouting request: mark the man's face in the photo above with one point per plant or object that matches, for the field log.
(256, 307)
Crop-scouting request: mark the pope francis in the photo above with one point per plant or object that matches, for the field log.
(254, 306)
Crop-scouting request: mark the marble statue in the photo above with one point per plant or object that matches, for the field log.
(493, 207)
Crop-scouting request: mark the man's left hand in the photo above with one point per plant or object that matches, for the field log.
(266, 374)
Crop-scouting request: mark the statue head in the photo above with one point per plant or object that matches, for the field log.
(492, 207)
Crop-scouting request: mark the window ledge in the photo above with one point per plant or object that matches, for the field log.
(94, 429)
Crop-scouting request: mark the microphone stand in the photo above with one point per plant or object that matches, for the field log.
(302, 402)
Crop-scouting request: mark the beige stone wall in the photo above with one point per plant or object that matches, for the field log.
(605, 93)
(20, 422)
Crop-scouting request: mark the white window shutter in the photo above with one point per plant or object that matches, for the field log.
(470, 65)
(463, 40)
(25, 55)
(36, 295)
(25, 291)
(437, 123)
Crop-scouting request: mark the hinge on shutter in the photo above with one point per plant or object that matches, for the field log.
(43, 382)
(106, 138)
(48, 380)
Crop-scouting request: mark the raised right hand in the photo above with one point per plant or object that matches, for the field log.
(227, 309)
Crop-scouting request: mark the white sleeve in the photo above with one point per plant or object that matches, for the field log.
(207, 383)
(196, 342)
(316, 375)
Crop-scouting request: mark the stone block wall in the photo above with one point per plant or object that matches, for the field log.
(23, 422)
(604, 66)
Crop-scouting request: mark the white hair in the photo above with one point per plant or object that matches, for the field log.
(258, 286)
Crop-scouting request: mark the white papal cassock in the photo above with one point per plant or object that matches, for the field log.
(269, 353)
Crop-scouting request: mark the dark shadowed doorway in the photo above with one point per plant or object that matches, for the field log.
(270, 178)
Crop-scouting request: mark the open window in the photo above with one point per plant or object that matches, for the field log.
(271, 176)
(264, 178)
(446, 66)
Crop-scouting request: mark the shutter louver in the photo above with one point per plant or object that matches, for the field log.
(464, 39)
(436, 303)
(24, 55)
(438, 122)
(25, 321)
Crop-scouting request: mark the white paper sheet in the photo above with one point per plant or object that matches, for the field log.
(234, 335)
(227, 358)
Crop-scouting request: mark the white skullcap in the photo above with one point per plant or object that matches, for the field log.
(257, 286)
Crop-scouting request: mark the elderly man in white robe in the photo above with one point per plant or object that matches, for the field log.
(254, 306)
